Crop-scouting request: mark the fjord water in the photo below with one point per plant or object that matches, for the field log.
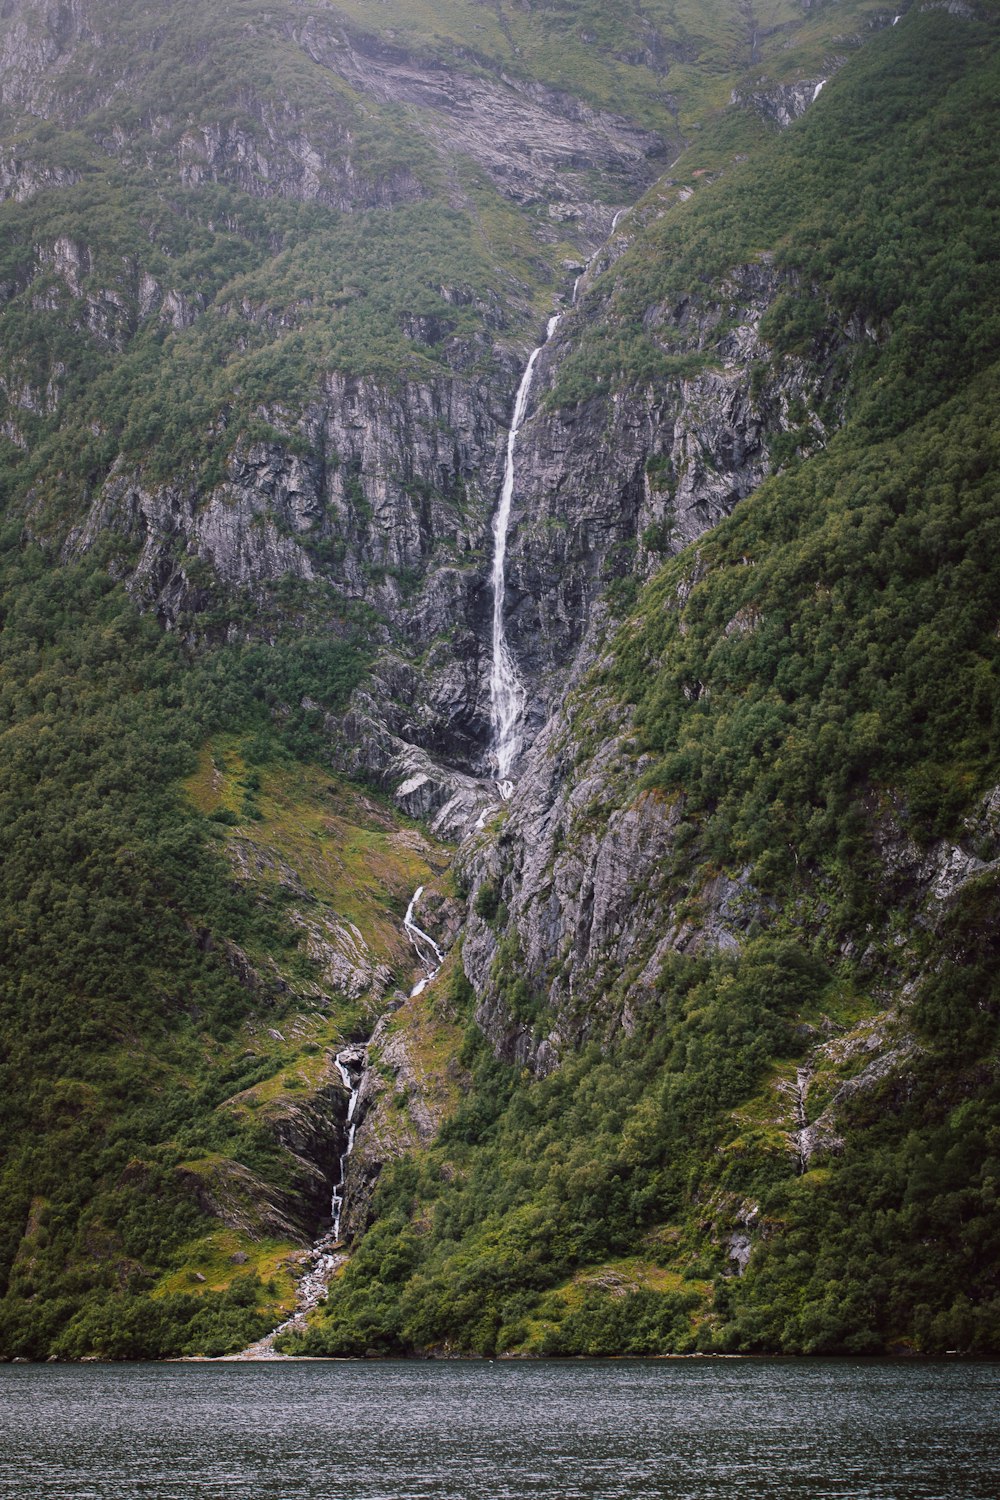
(688, 1430)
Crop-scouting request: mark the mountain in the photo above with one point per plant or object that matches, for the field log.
(708, 1057)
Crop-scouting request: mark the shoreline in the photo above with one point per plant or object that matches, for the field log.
(517, 1359)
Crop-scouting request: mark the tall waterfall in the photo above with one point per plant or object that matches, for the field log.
(507, 696)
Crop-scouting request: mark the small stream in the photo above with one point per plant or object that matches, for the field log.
(350, 1064)
(428, 953)
(327, 1254)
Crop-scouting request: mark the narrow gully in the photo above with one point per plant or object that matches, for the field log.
(327, 1253)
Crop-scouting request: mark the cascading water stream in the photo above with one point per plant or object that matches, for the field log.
(351, 1063)
(614, 225)
(359, 1057)
(507, 695)
(422, 944)
(326, 1254)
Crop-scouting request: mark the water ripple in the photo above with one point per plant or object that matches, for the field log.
(685, 1430)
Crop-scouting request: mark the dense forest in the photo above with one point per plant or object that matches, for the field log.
(712, 1061)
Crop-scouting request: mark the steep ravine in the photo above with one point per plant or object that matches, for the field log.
(371, 498)
(584, 894)
(350, 1190)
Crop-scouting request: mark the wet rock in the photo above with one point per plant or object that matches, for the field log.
(740, 1249)
(780, 104)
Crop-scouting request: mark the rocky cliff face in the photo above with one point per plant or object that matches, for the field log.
(541, 146)
(262, 328)
(609, 487)
(381, 491)
(378, 489)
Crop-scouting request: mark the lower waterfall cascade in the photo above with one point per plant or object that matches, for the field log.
(350, 1064)
(327, 1253)
(422, 943)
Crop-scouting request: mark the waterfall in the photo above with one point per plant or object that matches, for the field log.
(423, 944)
(351, 1062)
(507, 696)
(358, 1057)
(326, 1256)
(614, 225)
(818, 89)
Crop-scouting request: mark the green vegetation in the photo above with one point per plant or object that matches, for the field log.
(508, 1235)
(879, 206)
(815, 693)
(819, 689)
(838, 643)
(131, 1014)
(170, 301)
(256, 332)
(668, 63)
(530, 1183)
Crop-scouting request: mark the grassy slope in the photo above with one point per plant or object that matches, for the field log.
(160, 1017)
(670, 57)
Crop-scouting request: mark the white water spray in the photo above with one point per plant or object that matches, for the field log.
(614, 225)
(358, 1057)
(429, 954)
(507, 695)
(818, 89)
(327, 1253)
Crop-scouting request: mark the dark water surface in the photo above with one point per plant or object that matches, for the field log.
(397, 1431)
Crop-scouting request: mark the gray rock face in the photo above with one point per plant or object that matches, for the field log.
(580, 873)
(21, 177)
(610, 487)
(391, 506)
(392, 502)
(390, 478)
(264, 145)
(539, 145)
(780, 103)
(579, 866)
(385, 492)
(933, 877)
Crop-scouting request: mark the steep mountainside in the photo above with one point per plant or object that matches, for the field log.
(707, 1055)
